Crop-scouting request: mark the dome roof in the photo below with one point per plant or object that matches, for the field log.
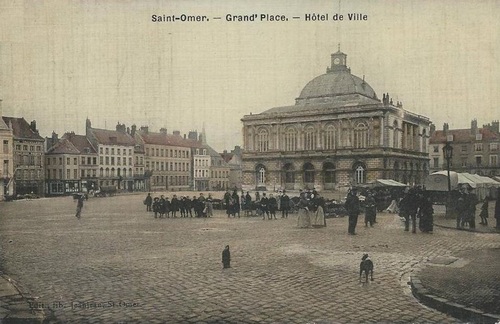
(336, 83)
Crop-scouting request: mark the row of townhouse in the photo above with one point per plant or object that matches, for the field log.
(475, 150)
(130, 159)
(127, 159)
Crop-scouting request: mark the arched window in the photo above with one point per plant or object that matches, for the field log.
(101, 172)
(124, 172)
(263, 140)
(329, 139)
(112, 172)
(359, 173)
(329, 175)
(361, 135)
(289, 174)
(107, 172)
(309, 138)
(395, 134)
(261, 176)
(290, 139)
(309, 174)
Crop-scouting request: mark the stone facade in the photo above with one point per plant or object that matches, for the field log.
(337, 134)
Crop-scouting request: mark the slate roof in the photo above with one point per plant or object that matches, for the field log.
(21, 129)
(168, 140)
(81, 143)
(71, 143)
(112, 137)
(463, 136)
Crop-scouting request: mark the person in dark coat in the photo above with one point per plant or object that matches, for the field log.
(353, 209)
(156, 206)
(426, 213)
(227, 198)
(484, 212)
(194, 206)
(201, 206)
(497, 210)
(273, 205)
(471, 207)
(174, 206)
(236, 204)
(248, 204)
(182, 206)
(163, 207)
(226, 258)
(370, 209)
(79, 206)
(166, 207)
(409, 208)
(284, 204)
(148, 202)
(264, 206)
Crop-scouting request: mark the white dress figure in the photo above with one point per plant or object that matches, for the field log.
(304, 220)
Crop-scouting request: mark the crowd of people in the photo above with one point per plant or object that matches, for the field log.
(413, 204)
(164, 207)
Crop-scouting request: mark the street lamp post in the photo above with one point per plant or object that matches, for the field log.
(448, 155)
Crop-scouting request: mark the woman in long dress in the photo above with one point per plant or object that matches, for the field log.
(304, 220)
(318, 218)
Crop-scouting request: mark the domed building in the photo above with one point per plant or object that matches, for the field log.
(338, 133)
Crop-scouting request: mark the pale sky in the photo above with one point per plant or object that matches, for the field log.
(61, 61)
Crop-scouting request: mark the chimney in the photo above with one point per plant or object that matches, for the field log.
(33, 126)
(184, 136)
(55, 137)
(145, 129)
(473, 127)
(432, 129)
(133, 130)
(446, 127)
(120, 128)
(163, 130)
(495, 126)
(128, 130)
(177, 133)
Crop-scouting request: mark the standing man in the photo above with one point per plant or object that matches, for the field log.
(227, 198)
(273, 205)
(148, 202)
(79, 206)
(264, 206)
(174, 206)
(284, 204)
(370, 209)
(352, 206)
(497, 210)
(471, 207)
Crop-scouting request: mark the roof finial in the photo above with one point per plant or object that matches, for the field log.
(339, 47)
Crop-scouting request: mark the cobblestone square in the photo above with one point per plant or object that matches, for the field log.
(119, 264)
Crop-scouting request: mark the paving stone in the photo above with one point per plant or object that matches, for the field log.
(172, 267)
